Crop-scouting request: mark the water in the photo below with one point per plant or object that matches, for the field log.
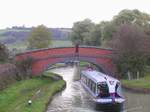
(136, 102)
(75, 98)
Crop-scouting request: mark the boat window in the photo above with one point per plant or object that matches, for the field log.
(86, 81)
(103, 90)
(94, 87)
(90, 83)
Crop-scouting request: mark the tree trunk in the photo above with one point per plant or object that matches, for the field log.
(138, 75)
(129, 75)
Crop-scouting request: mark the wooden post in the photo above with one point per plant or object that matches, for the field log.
(129, 75)
(77, 51)
(138, 75)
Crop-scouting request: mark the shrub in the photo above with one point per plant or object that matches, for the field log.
(8, 75)
(129, 44)
(25, 67)
(4, 53)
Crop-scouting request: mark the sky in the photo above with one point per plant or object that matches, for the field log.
(63, 13)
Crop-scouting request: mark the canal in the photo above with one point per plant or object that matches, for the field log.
(75, 98)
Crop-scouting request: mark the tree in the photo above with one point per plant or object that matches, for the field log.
(25, 67)
(39, 37)
(147, 49)
(129, 44)
(125, 17)
(86, 33)
(133, 17)
(95, 35)
(81, 32)
(4, 53)
(107, 29)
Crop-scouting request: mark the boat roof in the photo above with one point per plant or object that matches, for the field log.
(97, 76)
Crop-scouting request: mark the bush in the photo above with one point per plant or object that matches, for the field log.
(25, 67)
(129, 44)
(8, 75)
(4, 53)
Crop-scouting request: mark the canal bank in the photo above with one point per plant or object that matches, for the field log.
(137, 94)
(39, 90)
(141, 85)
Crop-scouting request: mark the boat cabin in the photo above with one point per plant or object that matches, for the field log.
(100, 85)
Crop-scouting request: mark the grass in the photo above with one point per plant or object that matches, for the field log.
(143, 82)
(22, 45)
(57, 65)
(84, 64)
(61, 43)
(39, 90)
(18, 45)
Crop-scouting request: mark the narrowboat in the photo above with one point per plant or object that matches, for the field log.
(104, 89)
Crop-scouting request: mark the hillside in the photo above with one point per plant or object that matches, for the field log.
(19, 34)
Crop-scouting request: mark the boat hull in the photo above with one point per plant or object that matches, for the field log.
(109, 100)
(109, 107)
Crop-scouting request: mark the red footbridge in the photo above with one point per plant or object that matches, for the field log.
(44, 58)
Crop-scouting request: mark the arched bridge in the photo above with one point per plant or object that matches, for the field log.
(43, 58)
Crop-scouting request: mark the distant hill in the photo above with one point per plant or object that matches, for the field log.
(19, 34)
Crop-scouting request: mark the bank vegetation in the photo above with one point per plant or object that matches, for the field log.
(39, 90)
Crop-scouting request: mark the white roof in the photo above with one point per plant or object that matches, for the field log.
(98, 76)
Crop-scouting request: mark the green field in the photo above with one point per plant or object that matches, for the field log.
(7, 30)
(18, 45)
(143, 82)
(22, 46)
(61, 43)
(39, 90)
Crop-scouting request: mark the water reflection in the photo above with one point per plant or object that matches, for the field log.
(136, 102)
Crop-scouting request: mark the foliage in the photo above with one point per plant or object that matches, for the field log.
(80, 30)
(125, 17)
(39, 90)
(8, 75)
(128, 42)
(148, 61)
(86, 33)
(39, 38)
(4, 53)
(95, 36)
(25, 67)
(107, 29)
(52, 76)
(132, 16)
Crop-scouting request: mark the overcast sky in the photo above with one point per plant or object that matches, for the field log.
(63, 13)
